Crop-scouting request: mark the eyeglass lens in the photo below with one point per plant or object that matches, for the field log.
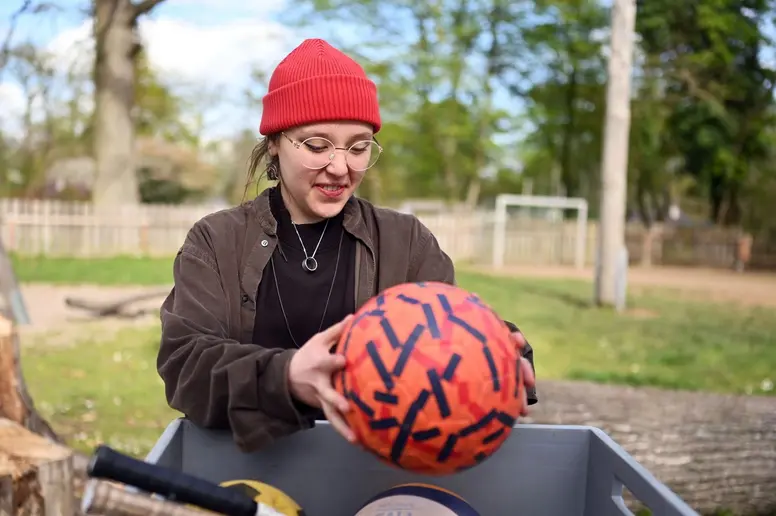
(319, 152)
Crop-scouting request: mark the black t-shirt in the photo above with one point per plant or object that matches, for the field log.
(304, 294)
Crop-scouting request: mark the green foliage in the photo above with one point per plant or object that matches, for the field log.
(481, 97)
(701, 112)
(163, 191)
(717, 92)
(63, 129)
(159, 111)
(438, 71)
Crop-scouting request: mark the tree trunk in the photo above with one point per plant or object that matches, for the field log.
(15, 402)
(714, 451)
(114, 81)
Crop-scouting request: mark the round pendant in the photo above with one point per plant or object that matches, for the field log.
(310, 264)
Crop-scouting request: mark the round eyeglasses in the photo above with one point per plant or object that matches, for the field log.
(318, 152)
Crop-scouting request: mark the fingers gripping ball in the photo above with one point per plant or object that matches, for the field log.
(420, 499)
(432, 376)
(267, 495)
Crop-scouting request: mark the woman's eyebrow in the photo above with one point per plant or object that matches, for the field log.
(322, 134)
(302, 134)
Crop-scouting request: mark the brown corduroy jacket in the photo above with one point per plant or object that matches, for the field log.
(212, 372)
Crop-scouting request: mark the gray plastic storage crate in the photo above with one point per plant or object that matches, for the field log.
(541, 470)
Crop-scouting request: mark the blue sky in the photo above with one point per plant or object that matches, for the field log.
(207, 45)
(69, 14)
(210, 45)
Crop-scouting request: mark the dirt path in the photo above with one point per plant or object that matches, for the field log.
(47, 309)
(750, 288)
(60, 324)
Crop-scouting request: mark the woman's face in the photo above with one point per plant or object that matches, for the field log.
(317, 180)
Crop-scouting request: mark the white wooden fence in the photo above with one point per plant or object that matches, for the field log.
(76, 229)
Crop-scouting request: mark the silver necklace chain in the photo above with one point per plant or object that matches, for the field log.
(310, 264)
(328, 298)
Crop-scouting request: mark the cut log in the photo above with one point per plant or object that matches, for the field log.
(101, 498)
(36, 474)
(15, 401)
(117, 308)
(714, 451)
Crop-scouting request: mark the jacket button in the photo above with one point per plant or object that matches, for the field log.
(245, 298)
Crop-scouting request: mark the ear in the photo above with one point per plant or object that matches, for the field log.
(272, 146)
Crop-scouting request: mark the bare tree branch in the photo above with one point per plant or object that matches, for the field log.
(5, 50)
(27, 7)
(144, 6)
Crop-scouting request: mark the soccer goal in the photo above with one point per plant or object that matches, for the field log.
(554, 204)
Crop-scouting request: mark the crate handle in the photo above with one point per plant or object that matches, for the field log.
(610, 468)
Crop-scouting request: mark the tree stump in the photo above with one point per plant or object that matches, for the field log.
(15, 402)
(36, 474)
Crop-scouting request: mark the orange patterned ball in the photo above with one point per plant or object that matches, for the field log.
(432, 376)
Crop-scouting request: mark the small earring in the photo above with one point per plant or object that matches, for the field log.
(272, 171)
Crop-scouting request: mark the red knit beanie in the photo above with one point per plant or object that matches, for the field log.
(318, 83)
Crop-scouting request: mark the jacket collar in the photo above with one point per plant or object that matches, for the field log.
(353, 221)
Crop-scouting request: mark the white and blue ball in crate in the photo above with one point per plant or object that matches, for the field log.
(417, 500)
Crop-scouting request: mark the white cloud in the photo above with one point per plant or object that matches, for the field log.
(217, 58)
(221, 54)
(214, 56)
(72, 48)
(11, 106)
(208, 55)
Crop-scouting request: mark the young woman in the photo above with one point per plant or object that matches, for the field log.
(262, 291)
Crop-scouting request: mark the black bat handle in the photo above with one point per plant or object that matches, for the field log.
(107, 463)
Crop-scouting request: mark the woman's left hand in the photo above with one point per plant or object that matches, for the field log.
(526, 371)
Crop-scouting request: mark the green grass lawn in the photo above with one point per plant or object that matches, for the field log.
(125, 270)
(101, 390)
(661, 342)
(108, 389)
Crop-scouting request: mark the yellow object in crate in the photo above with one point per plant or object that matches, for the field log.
(267, 495)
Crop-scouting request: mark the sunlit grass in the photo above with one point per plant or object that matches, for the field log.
(106, 388)
(123, 270)
(660, 341)
(101, 390)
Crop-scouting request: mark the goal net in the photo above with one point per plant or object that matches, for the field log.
(538, 230)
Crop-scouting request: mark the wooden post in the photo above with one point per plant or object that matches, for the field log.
(36, 474)
(13, 302)
(743, 251)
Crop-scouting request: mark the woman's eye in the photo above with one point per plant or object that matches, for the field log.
(315, 148)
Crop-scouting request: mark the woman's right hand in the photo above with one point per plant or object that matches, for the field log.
(310, 377)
